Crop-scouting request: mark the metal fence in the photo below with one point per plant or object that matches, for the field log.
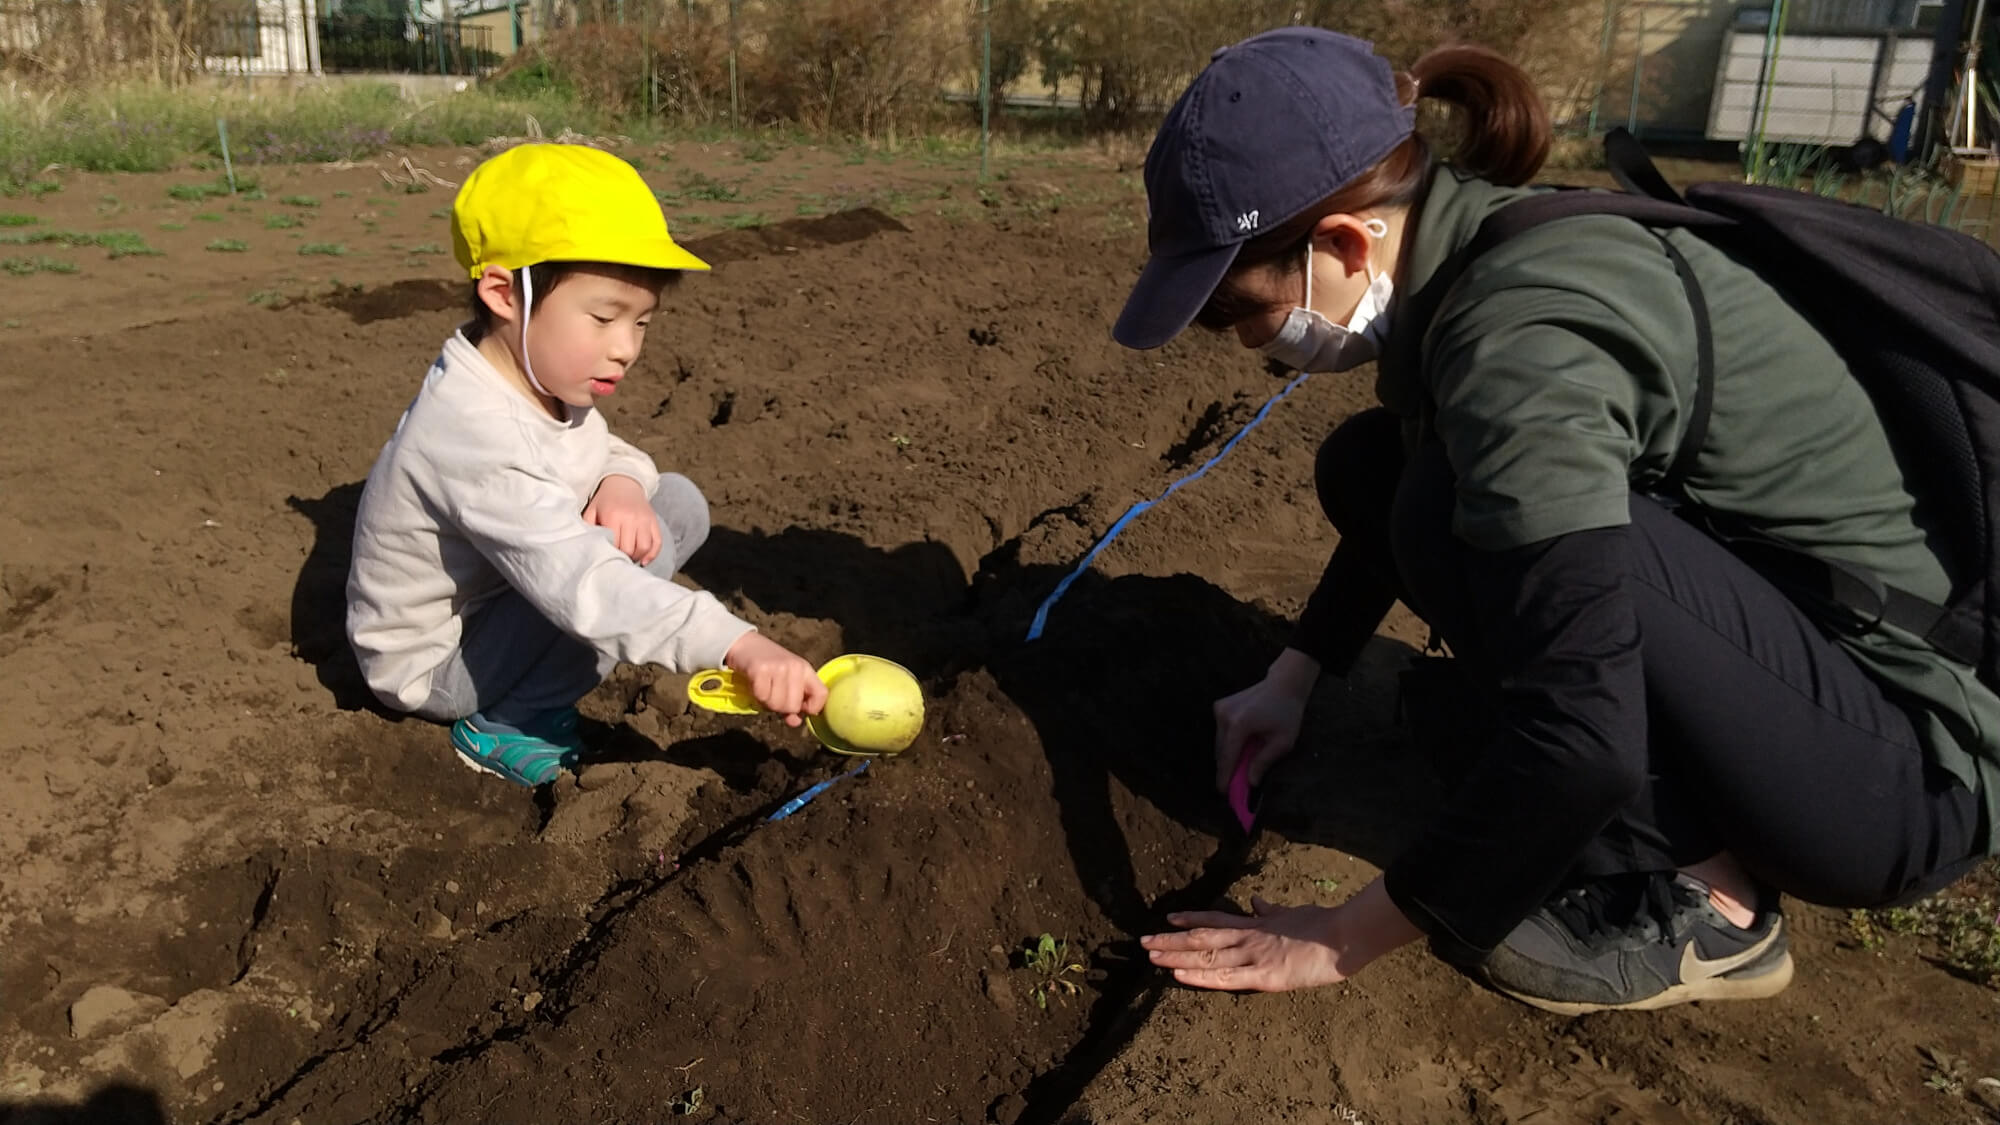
(405, 46)
(1825, 72)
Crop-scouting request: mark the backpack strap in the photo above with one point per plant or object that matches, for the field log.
(1695, 433)
(1634, 169)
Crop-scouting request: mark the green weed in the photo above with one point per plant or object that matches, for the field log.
(329, 249)
(22, 267)
(119, 243)
(208, 217)
(300, 201)
(1962, 929)
(745, 220)
(228, 246)
(33, 189)
(173, 226)
(9, 219)
(281, 220)
(708, 189)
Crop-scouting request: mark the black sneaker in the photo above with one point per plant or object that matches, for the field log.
(1639, 943)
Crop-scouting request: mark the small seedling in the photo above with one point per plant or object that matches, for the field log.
(1052, 963)
(281, 220)
(267, 298)
(1328, 884)
(208, 217)
(329, 249)
(299, 201)
(685, 1105)
(9, 219)
(229, 245)
(426, 248)
(173, 226)
(900, 441)
(744, 220)
(1948, 1073)
(336, 195)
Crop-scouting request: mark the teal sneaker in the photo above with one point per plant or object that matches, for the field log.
(542, 747)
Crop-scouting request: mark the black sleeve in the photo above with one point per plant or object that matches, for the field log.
(1560, 629)
(1344, 611)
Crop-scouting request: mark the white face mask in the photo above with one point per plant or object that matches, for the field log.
(1309, 342)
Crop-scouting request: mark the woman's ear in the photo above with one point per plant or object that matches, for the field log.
(496, 290)
(1347, 238)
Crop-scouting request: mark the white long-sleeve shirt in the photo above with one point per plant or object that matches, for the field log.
(480, 490)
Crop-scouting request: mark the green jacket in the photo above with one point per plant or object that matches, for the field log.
(1559, 381)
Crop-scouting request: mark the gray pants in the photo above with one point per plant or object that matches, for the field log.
(513, 664)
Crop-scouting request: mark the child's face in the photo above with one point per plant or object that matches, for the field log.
(587, 331)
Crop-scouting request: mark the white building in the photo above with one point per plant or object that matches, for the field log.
(274, 37)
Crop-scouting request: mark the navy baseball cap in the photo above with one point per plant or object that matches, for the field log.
(1272, 126)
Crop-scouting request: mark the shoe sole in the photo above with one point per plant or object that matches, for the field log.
(1762, 985)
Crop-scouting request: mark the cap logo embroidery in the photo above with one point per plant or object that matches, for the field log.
(1247, 221)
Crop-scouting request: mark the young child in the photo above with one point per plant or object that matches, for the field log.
(509, 551)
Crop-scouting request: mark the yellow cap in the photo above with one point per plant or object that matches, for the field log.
(561, 203)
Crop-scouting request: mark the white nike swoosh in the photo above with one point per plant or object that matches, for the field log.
(1695, 968)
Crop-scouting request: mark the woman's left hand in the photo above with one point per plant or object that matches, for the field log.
(1281, 948)
(1274, 949)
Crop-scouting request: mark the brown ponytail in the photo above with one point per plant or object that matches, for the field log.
(1504, 136)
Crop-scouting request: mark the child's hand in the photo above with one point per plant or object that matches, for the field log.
(781, 681)
(621, 505)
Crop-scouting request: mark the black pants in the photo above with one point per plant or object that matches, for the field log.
(1765, 739)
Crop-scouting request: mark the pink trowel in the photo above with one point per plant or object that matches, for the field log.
(1239, 789)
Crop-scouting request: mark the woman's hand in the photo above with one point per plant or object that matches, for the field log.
(1281, 948)
(1263, 719)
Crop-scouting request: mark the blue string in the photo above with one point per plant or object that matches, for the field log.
(799, 802)
(1132, 513)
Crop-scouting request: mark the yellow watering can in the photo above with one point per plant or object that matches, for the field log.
(873, 706)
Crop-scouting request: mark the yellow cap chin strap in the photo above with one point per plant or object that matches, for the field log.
(527, 310)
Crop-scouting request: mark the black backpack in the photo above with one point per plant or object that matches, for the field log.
(1915, 312)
